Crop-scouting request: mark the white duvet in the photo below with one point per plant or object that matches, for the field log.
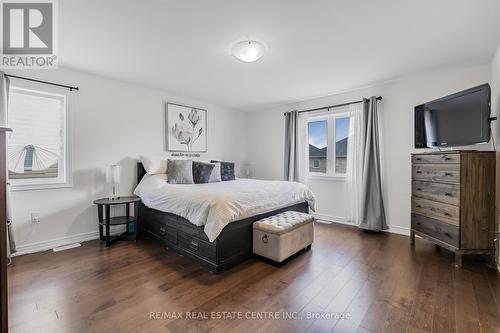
(215, 205)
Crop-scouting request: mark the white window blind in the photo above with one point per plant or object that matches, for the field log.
(37, 146)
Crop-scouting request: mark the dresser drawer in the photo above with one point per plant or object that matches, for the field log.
(447, 193)
(197, 247)
(437, 210)
(436, 229)
(443, 173)
(435, 158)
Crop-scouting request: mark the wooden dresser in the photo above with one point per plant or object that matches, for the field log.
(453, 201)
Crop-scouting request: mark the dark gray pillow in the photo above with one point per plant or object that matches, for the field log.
(215, 175)
(180, 172)
(226, 170)
(202, 172)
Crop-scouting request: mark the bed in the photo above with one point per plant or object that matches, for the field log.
(215, 227)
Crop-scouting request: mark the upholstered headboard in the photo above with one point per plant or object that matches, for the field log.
(140, 172)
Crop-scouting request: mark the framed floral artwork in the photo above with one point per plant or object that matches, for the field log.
(186, 128)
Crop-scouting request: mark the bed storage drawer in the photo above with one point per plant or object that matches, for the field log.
(160, 230)
(196, 246)
(436, 229)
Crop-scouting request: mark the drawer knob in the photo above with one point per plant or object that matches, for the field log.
(162, 230)
(448, 174)
(194, 245)
(419, 189)
(447, 234)
(447, 214)
(447, 159)
(418, 206)
(265, 239)
(419, 159)
(418, 171)
(448, 194)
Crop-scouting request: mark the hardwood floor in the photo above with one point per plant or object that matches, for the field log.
(378, 280)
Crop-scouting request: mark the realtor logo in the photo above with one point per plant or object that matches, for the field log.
(28, 34)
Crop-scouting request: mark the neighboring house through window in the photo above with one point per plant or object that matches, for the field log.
(328, 137)
(38, 147)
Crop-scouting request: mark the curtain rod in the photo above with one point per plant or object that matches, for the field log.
(335, 106)
(44, 82)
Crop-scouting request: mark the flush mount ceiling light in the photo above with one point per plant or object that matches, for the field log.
(248, 50)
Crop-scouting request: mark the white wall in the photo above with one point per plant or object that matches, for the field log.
(265, 142)
(113, 122)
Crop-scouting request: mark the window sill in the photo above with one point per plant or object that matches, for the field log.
(35, 187)
(326, 177)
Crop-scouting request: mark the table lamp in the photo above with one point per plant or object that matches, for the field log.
(247, 170)
(113, 175)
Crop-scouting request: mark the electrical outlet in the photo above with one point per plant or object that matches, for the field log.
(35, 217)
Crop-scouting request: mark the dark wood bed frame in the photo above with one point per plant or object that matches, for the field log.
(232, 246)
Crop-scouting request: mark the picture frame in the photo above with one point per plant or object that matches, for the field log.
(185, 128)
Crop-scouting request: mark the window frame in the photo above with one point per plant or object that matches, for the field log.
(29, 184)
(331, 119)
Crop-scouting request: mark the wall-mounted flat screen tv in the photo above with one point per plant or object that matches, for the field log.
(455, 120)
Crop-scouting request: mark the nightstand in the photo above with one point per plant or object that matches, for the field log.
(106, 220)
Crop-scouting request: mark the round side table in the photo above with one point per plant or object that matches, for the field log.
(106, 220)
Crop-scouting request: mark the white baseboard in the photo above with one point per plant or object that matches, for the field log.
(342, 220)
(50, 244)
(394, 229)
(330, 218)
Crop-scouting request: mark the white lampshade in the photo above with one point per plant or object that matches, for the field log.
(113, 174)
(249, 50)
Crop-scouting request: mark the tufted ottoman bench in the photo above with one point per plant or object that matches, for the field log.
(279, 236)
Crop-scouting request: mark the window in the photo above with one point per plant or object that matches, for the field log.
(38, 146)
(318, 136)
(341, 137)
(328, 138)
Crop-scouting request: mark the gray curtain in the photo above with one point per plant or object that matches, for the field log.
(4, 101)
(372, 204)
(291, 146)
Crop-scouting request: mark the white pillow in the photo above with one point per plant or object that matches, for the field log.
(154, 165)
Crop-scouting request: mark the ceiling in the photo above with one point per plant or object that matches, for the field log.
(315, 47)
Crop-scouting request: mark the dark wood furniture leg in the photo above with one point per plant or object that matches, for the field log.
(100, 218)
(458, 259)
(136, 215)
(412, 237)
(127, 214)
(108, 236)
